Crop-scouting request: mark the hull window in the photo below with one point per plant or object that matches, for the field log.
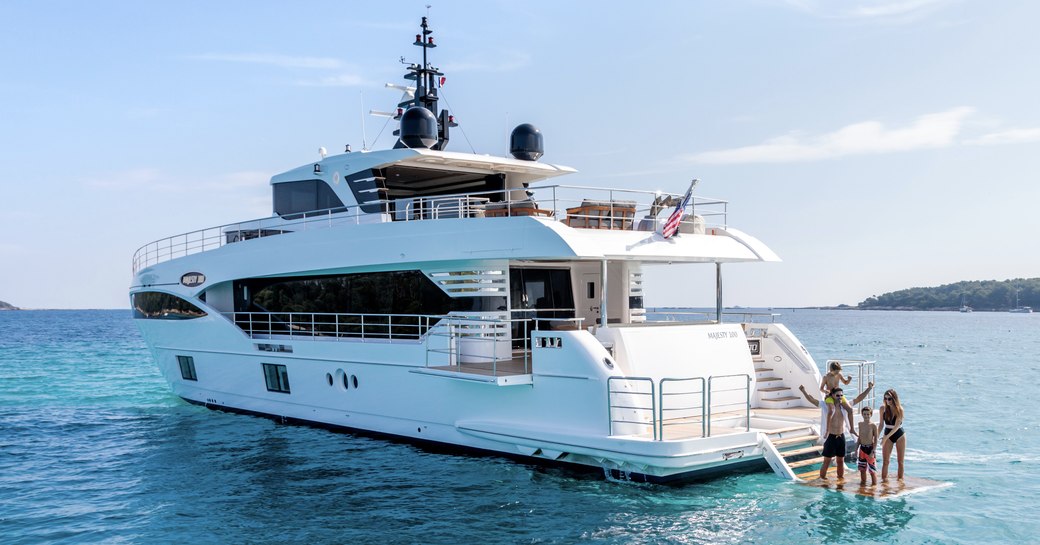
(155, 305)
(187, 364)
(277, 378)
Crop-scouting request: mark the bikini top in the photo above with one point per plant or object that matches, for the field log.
(890, 422)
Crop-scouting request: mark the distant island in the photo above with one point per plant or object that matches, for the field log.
(993, 295)
(7, 306)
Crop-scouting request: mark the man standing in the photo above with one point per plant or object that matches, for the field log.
(834, 445)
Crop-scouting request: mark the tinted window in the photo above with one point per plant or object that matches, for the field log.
(277, 378)
(396, 292)
(187, 364)
(163, 306)
(293, 198)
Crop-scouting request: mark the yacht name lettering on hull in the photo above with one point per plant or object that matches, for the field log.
(717, 335)
(193, 279)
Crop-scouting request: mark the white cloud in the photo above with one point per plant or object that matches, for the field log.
(929, 131)
(1010, 136)
(887, 10)
(284, 61)
(342, 80)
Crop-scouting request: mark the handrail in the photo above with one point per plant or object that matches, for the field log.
(211, 238)
(658, 407)
(746, 316)
(336, 325)
(866, 372)
(703, 406)
(557, 198)
(747, 399)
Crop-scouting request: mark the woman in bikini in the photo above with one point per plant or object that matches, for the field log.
(892, 416)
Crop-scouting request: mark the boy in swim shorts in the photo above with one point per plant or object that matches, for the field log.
(867, 444)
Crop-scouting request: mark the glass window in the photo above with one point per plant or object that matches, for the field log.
(187, 364)
(540, 295)
(277, 378)
(163, 306)
(293, 199)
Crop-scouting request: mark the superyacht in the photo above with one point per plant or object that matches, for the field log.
(472, 301)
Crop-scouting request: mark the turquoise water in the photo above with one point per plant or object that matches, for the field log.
(94, 448)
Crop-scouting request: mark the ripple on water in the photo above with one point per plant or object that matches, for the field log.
(94, 448)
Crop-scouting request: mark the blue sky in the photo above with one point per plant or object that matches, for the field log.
(873, 145)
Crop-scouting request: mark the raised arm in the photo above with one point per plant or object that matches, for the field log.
(808, 396)
(863, 394)
(845, 380)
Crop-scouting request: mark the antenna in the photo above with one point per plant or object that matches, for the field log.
(364, 137)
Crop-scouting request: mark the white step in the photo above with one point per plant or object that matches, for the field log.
(784, 402)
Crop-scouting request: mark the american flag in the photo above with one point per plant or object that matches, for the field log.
(671, 226)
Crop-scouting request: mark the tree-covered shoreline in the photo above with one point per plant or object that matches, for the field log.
(993, 295)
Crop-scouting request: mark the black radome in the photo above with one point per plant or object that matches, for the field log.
(525, 143)
(418, 128)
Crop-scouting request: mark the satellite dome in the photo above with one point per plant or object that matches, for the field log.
(418, 128)
(525, 143)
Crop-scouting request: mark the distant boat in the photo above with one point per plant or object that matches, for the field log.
(964, 306)
(1020, 309)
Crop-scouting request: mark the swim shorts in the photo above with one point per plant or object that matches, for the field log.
(866, 458)
(834, 445)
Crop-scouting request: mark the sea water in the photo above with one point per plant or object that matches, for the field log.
(95, 448)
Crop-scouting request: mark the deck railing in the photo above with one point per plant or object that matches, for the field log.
(212, 238)
(708, 316)
(639, 406)
(863, 372)
(453, 340)
(577, 206)
(293, 325)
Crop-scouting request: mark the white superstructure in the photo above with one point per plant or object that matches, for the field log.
(468, 300)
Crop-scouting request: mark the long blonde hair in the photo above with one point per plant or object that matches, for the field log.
(895, 406)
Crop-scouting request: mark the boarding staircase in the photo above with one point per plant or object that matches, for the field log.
(771, 391)
(788, 449)
(796, 448)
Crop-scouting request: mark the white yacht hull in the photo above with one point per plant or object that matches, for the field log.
(558, 414)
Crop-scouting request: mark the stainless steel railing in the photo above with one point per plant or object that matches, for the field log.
(601, 208)
(863, 373)
(333, 325)
(635, 403)
(453, 340)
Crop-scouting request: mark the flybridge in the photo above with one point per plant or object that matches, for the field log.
(586, 208)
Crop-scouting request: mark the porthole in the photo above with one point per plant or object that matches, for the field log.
(342, 379)
(346, 381)
(353, 378)
(608, 363)
(328, 377)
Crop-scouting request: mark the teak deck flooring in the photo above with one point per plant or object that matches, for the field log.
(884, 490)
